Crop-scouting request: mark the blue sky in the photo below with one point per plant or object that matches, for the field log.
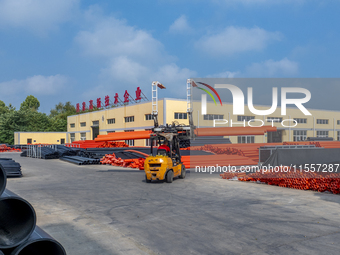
(72, 50)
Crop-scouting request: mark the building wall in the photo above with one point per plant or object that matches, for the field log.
(166, 114)
(39, 137)
(168, 107)
(311, 126)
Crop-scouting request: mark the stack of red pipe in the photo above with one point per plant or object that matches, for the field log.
(113, 145)
(216, 160)
(248, 150)
(293, 179)
(234, 131)
(137, 162)
(120, 136)
(88, 144)
(5, 148)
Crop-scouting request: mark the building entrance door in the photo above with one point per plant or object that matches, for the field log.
(274, 137)
(95, 132)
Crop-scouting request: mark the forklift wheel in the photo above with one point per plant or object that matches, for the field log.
(169, 176)
(147, 180)
(183, 172)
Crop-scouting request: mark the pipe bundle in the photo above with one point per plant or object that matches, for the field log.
(5, 148)
(112, 145)
(11, 168)
(19, 234)
(128, 158)
(80, 160)
(290, 178)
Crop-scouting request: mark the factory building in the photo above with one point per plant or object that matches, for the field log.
(294, 126)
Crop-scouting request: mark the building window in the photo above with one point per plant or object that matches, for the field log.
(274, 119)
(72, 137)
(301, 120)
(321, 133)
(148, 117)
(246, 118)
(82, 136)
(130, 142)
(129, 119)
(83, 124)
(213, 117)
(95, 123)
(246, 139)
(72, 125)
(111, 121)
(108, 132)
(321, 121)
(338, 135)
(181, 116)
(299, 135)
(338, 122)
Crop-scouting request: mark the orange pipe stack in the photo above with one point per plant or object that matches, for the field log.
(111, 159)
(249, 150)
(234, 131)
(113, 145)
(119, 136)
(294, 179)
(214, 160)
(88, 144)
(5, 148)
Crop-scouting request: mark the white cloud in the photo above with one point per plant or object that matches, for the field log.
(130, 56)
(180, 25)
(236, 39)
(226, 74)
(35, 85)
(36, 15)
(271, 68)
(110, 37)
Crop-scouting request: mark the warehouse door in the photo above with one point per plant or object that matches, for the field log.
(95, 132)
(275, 137)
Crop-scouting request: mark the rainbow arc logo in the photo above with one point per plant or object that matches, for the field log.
(208, 92)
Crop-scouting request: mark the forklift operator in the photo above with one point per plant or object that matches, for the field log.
(165, 146)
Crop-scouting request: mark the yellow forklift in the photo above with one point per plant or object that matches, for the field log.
(161, 164)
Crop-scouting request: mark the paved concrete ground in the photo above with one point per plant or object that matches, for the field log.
(106, 210)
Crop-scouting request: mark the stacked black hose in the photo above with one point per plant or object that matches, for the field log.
(12, 168)
(18, 233)
(80, 160)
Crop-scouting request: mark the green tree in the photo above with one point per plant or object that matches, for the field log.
(31, 102)
(61, 111)
(3, 108)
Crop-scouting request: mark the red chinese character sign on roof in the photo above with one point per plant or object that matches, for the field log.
(126, 97)
(84, 107)
(107, 101)
(138, 94)
(99, 103)
(77, 107)
(116, 99)
(91, 105)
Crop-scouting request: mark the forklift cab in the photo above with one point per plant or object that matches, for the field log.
(173, 143)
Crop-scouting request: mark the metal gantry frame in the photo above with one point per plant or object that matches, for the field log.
(34, 151)
(154, 98)
(189, 103)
